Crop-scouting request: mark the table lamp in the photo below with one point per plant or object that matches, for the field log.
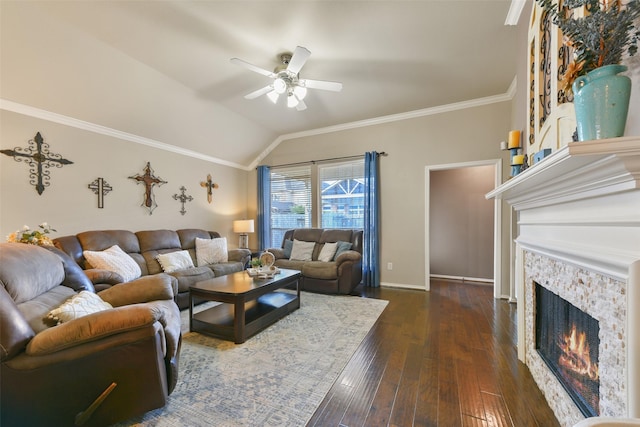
(243, 226)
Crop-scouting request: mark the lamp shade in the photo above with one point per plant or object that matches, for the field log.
(243, 226)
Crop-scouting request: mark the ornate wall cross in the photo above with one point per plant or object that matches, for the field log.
(183, 199)
(209, 185)
(39, 159)
(149, 181)
(101, 188)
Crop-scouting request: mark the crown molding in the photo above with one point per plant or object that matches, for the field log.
(30, 111)
(103, 130)
(505, 97)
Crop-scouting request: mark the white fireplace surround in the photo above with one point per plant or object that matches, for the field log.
(578, 217)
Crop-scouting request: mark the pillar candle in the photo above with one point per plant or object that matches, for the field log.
(503, 145)
(514, 139)
(517, 159)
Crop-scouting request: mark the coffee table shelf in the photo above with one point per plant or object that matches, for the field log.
(248, 305)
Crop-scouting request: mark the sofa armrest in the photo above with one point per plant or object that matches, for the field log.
(148, 288)
(353, 256)
(93, 327)
(240, 255)
(98, 276)
(278, 253)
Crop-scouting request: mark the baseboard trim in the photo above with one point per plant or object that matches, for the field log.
(401, 286)
(462, 278)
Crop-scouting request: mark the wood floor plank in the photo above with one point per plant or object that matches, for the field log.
(445, 358)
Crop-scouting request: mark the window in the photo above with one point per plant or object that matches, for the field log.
(341, 197)
(290, 200)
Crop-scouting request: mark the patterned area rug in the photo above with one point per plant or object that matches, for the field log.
(276, 378)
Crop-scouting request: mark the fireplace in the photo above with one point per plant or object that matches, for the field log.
(577, 234)
(567, 340)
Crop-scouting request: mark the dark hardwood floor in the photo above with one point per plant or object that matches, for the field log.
(441, 358)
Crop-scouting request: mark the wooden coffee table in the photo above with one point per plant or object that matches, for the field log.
(248, 304)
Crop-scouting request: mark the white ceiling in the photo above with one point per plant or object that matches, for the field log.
(391, 56)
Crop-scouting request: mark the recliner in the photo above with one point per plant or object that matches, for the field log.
(94, 370)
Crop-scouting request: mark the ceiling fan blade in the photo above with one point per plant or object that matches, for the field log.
(321, 84)
(252, 67)
(301, 105)
(259, 92)
(300, 56)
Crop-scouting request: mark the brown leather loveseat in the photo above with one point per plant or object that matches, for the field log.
(52, 374)
(340, 273)
(144, 247)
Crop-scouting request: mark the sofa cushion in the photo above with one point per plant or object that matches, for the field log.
(290, 264)
(320, 270)
(342, 247)
(224, 268)
(116, 260)
(327, 252)
(173, 261)
(302, 251)
(35, 310)
(77, 306)
(191, 276)
(28, 271)
(211, 251)
(155, 240)
(287, 247)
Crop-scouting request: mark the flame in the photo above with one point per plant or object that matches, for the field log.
(576, 354)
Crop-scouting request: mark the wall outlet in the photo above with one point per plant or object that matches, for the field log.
(389, 266)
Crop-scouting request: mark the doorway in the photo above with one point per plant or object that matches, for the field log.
(462, 227)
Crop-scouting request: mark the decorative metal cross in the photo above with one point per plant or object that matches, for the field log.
(183, 199)
(149, 180)
(38, 157)
(209, 185)
(101, 188)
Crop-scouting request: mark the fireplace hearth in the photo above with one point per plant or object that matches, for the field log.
(567, 340)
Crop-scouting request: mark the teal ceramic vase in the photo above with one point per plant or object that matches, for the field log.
(601, 100)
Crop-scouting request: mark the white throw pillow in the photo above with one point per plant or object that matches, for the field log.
(211, 251)
(77, 306)
(302, 251)
(116, 260)
(327, 252)
(174, 261)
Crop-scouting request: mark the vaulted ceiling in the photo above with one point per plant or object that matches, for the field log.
(162, 70)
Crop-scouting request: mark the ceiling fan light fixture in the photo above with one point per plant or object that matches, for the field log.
(300, 92)
(279, 85)
(292, 101)
(273, 96)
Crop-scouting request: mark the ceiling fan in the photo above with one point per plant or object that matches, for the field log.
(286, 79)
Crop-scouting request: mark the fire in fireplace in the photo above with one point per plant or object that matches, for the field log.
(567, 340)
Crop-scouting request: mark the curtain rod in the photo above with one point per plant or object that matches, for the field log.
(313, 162)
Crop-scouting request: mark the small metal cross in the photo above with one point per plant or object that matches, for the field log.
(149, 180)
(209, 185)
(38, 157)
(183, 199)
(101, 188)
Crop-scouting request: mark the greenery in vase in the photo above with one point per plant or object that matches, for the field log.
(256, 263)
(607, 30)
(32, 237)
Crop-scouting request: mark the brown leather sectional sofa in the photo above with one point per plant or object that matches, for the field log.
(144, 247)
(53, 375)
(338, 276)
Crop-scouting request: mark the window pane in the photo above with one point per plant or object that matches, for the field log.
(290, 200)
(342, 195)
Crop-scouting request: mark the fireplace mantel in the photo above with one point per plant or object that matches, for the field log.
(577, 171)
(578, 233)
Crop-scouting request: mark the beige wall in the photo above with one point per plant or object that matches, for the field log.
(70, 207)
(469, 134)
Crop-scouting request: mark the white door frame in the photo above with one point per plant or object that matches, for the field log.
(497, 220)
